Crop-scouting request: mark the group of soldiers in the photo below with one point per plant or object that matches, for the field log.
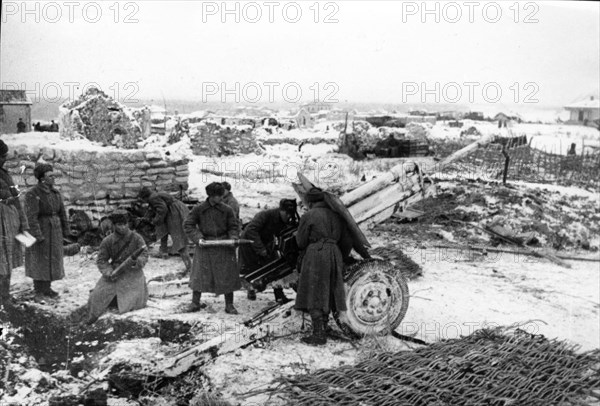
(321, 236)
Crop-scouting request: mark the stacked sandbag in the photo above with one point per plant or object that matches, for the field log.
(99, 181)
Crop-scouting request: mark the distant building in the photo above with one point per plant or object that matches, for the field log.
(316, 107)
(474, 115)
(304, 119)
(504, 119)
(301, 119)
(14, 104)
(584, 111)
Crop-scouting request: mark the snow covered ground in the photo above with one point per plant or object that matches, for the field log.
(455, 295)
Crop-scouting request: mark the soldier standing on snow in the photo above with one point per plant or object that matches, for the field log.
(12, 221)
(49, 224)
(320, 234)
(215, 268)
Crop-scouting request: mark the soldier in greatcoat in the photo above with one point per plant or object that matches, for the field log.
(168, 217)
(214, 269)
(128, 287)
(12, 221)
(323, 236)
(262, 230)
(49, 224)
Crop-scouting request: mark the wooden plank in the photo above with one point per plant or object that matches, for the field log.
(199, 355)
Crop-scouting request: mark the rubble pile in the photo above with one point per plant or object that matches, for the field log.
(548, 218)
(361, 139)
(212, 139)
(98, 117)
(296, 141)
(99, 181)
(491, 367)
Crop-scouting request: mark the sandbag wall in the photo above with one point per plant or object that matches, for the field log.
(98, 181)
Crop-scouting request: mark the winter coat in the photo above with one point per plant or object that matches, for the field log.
(130, 287)
(321, 281)
(214, 269)
(12, 221)
(48, 224)
(263, 229)
(169, 215)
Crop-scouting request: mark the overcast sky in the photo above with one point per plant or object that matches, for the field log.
(387, 52)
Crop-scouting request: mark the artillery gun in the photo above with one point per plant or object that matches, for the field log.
(376, 291)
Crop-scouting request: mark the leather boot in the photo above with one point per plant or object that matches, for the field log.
(48, 292)
(318, 336)
(38, 287)
(229, 308)
(187, 260)
(196, 304)
(280, 296)
(251, 294)
(5, 291)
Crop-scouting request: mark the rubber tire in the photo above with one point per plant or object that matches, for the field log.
(384, 275)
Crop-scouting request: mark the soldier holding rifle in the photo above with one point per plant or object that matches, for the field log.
(121, 259)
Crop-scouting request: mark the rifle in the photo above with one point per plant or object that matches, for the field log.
(125, 264)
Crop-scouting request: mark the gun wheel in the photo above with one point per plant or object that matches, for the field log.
(376, 298)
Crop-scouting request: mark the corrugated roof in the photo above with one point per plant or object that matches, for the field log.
(14, 97)
(585, 104)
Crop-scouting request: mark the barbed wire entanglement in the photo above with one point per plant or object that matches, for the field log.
(490, 367)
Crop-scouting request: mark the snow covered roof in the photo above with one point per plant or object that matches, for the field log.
(14, 97)
(591, 103)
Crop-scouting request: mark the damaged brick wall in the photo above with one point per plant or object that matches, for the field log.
(98, 117)
(211, 139)
(98, 182)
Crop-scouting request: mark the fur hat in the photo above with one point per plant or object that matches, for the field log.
(41, 169)
(288, 205)
(215, 189)
(315, 195)
(119, 217)
(144, 193)
(3, 148)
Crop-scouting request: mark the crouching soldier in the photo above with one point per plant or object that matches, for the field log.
(169, 215)
(263, 229)
(121, 257)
